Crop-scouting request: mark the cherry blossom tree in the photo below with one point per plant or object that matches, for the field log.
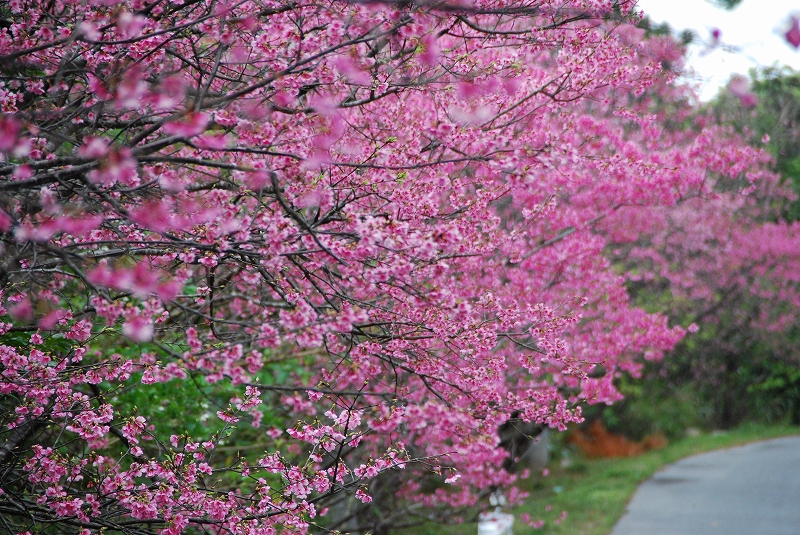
(729, 262)
(733, 275)
(272, 266)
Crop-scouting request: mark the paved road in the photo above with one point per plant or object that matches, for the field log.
(749, 490)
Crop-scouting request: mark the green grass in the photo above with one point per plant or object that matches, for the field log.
(595, 493)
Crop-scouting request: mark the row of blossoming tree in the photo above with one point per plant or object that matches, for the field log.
(348, 240)
(731, 264)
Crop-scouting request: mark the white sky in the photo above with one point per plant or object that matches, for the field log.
(755, 28)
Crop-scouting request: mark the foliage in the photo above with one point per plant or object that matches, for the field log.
(654, 404)
(345, 241)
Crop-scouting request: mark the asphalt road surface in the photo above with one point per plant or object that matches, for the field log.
(748, 490)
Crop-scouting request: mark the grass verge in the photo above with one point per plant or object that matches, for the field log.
(594, 493)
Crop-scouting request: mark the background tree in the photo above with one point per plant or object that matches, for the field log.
(729, 264)
(774, 121)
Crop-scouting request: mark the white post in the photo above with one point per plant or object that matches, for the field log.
(495, 523)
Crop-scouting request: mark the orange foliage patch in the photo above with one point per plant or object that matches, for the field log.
(597, 442)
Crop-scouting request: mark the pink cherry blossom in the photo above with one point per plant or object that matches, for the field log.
(9, 133)
(190, 125)
(130, 25)
(138, 328)
(739, 86)
(793, 34)
(94, 147)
